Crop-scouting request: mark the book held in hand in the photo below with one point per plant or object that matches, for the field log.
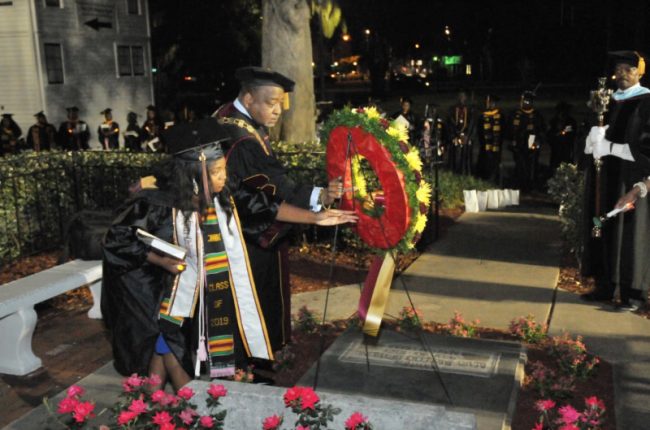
(161, 245)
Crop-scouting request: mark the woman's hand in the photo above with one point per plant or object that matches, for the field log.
(170, 264)
(334, 217)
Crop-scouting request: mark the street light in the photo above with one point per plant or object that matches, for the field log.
(367, 31)
(417, 46)
(346, 37)
(447, 32)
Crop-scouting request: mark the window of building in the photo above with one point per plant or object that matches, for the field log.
(130, 60)
(53, 3)
(54, 63)
(133, 7)
(137, 59)
(124, 67)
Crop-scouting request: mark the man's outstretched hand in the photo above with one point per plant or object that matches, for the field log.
(334, 217)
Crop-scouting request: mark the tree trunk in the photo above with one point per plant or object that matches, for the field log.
(286, 48)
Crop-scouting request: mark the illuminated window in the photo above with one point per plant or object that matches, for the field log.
(54, 63)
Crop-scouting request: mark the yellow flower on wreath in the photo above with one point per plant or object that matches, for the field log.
(413, 159)
(359, 180)
(423, 194)
(372, 112)
(398, 131)
(420, 223)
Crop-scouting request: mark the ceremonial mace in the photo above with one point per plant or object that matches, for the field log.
(599, 99)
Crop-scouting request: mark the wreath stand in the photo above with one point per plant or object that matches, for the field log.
(386, 237)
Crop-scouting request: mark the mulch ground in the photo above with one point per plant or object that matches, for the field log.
(72, 346)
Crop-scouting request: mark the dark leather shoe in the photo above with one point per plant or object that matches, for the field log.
(596, 296)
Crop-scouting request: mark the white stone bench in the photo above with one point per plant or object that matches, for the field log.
(17, 315)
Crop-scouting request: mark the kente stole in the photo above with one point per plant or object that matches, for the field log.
(224, 287)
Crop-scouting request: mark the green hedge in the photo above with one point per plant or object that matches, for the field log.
(40, 191)
(566, 188)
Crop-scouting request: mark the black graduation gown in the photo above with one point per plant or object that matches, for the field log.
(523, 125)
(461, 125)
(620, 257)
(9, 138)
(253, 163)
(73, 136)
(132, 288)
(490, 138)
(133, 143)
(561, 136)
(108, 135)
(41, 138)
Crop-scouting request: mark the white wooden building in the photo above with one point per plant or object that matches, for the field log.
(92, 54)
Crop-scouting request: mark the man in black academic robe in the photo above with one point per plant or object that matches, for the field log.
(490, 138)
(73, 134)
(527, 136)
(461, 134)
(619, 258)
(41, 136)
(133, 134)
(9, 135)
(251, 161)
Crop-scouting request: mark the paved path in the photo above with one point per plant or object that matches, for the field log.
(495, 266)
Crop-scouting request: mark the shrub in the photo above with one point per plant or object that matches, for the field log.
(547, 383)
(526, 329)
(409, 319)
(566, 188)
(572, 356)
(305, 321)
(457, 326)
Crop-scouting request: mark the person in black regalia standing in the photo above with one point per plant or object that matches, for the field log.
(527, 136)
(108, 132)
(133, 133)
(490, 138)
(151, 129)
(42, 135)
(461, 125)
(73, 134)
(251, 161)
(619, 258)
(9, 135)
(161, 309)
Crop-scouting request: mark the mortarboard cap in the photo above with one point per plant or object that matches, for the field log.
(7, 115)
(528, 95)
(258, 76)
(633, 58)
(72, 109)
(151, 107)
(188, 139)
(39, 114)
(105, 111)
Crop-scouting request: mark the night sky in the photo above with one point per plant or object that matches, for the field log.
(558, 41)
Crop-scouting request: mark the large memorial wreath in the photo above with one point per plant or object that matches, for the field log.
(359, 143)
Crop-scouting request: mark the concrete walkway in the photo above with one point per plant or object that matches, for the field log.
(495, 266)
(498, 265)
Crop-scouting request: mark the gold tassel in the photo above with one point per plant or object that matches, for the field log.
(204, 177)
(285, 102)
(641, 67)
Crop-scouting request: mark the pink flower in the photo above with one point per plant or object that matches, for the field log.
(308, 398)
(538, 426)
(185, 393)
(545, 405)
(355, 419)
(569, 427)
(187, 416)
(138, 406)
(167, 426)
(125, 417)
(67, 405)
(75, 391)
(206, 421)
(126, 387)
(216, 391)
(302, 428)
(568, 414)
(134, 380)
(158, 396)
(153, 380)
(161, 418)
(594, 402)
(271, 423)
(171, 399)
(83, 411)
(291, 395)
